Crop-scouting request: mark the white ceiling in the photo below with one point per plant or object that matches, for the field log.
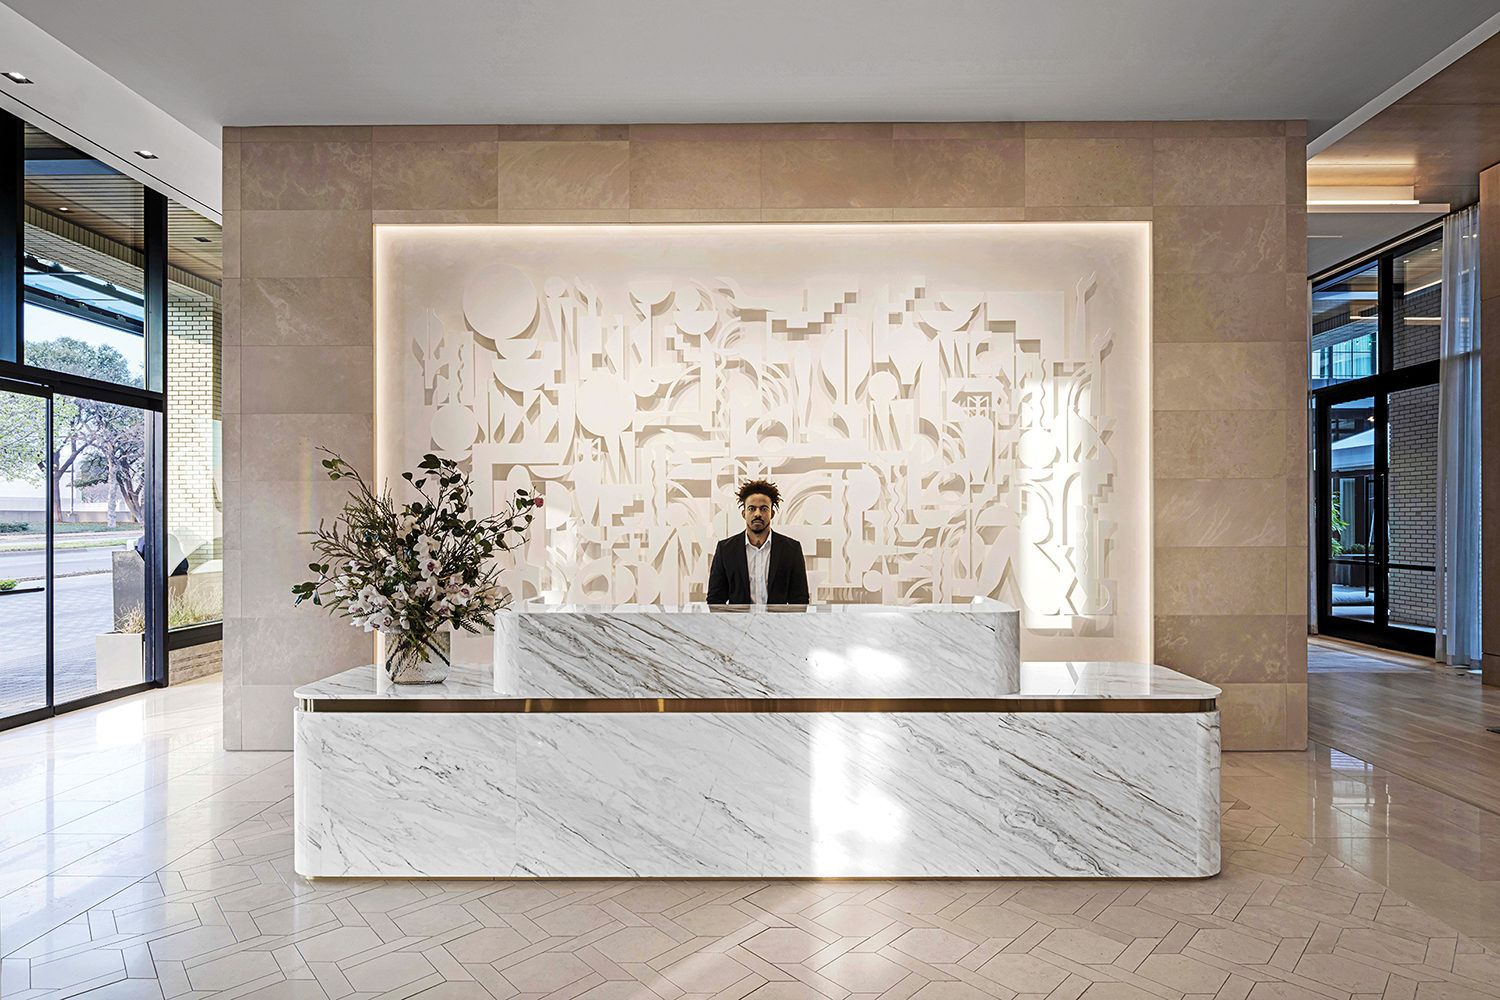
(211, 63)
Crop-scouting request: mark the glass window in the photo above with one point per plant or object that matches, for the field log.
(82, 265)
(195, 486)
(1416, 305)
(1345, 328)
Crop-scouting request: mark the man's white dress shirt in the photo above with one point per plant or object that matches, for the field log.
(758, 560)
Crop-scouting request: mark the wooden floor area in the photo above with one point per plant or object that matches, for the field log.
(1409, 716)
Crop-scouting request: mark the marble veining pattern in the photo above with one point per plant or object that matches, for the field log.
(1051, 794)
(927, 651)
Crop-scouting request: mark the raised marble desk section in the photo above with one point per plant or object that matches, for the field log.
(794, 651)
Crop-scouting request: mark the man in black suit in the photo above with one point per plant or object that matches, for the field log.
(759, 566)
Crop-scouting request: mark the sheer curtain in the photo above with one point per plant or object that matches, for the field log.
(1458, 553)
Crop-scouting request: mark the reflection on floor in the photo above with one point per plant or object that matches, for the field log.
(141, 861)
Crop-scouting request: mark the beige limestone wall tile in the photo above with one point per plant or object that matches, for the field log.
(827, 174)
(1012, 214)
(1116, 213)
(435, 216)
(1253, 716)
(435, 133)
(1221, 129)
(1296, 240)
(1088, 171)
(1296, 127)
(233, 733)
(233, 604)
(428, 175)
(958, 130)
(305, 133)
(272, 513)
(1223, 308)
(1296, 580)
(1220, 581)
(266, 716)
(229, 438)
(1239, 239)
(1088, 130)
(285, 379)
(231, 172)
(1234, 376)
(285, 650)
(230, 133)
(564, 133)
(700, 175)
(1296, 648)
(1220, 512)
(1296, 171)
(305, 244)
(564, 175)
(280, 447)
(1296, 716)
(229, 378)
(229, 312)
(1215, 171)
(691, 215)
(563, 216)
(1241, 444)
(1224, 649)
(267, 578)
(827, 215)
(304, 175)
(229, 231)
(761, 131)
(306, 311)
(959, 173)
(1296, 511)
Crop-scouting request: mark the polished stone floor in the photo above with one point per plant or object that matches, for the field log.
(138, 860)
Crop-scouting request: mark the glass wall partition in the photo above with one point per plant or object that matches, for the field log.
(1373, 381)
(82, 539)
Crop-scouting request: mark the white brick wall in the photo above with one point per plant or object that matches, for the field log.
(194, 510)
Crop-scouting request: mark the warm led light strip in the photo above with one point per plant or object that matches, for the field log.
(736, 706)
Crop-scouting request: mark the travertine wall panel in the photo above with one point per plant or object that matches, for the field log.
(1226, 200)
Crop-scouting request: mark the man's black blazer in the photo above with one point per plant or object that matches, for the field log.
(786, 577)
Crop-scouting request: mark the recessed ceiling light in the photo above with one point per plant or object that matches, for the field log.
(63, 208)
(15, 77)
(202, 239)
(145, 154)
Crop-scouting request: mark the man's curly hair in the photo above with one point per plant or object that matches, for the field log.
(750, 487)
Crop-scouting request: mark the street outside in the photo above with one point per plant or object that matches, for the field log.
(84, 609)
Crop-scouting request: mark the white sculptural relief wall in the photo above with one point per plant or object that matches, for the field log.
(948, 410)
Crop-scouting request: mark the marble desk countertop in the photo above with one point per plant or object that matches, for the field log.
(1061, 679)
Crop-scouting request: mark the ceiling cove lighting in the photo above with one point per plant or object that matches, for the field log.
(146, 154)
(15, 77)
(1361, 195)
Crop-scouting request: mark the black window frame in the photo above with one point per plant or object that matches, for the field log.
(1386, 380)
(17, 376)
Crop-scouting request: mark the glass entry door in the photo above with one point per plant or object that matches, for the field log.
(74, 476)
(1376, 517)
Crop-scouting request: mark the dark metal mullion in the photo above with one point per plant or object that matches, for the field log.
(1382, 503)
(155, 211)
(12, 214)
(1323, 522)
(1385, 314)
(77, 385)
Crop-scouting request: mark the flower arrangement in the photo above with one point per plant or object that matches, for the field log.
(413, 571)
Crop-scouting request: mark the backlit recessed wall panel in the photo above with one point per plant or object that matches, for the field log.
(949, 410)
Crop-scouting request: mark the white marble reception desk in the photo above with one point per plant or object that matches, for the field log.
(567, 764)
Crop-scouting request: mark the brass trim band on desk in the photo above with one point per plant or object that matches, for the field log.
(575, 706)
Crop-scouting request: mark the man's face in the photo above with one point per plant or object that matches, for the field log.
(758, 513)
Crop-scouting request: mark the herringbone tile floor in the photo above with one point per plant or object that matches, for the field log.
(163, 870)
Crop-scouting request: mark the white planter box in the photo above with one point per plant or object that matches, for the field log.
(118, 657)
